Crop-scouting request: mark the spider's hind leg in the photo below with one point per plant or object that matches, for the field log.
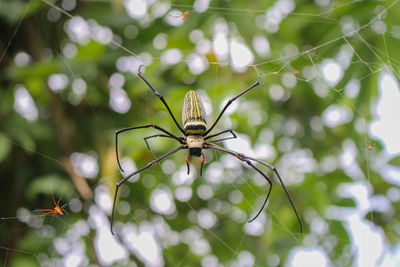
(151, 163)
(249, 160)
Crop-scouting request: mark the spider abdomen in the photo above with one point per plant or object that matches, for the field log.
(193, 114)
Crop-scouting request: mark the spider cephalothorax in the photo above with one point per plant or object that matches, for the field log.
(195, 145)
(194, 139)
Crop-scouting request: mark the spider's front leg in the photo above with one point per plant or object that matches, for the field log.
(161, 98)
(230, 101)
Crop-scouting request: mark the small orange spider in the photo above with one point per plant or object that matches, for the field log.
(57, 209)
(371, 146)
(183, 16)
(296, 72)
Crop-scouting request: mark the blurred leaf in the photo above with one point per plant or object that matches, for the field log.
(25, 140)
(92, 51)
(50, 184)
(14, 11)
(23, 260)
(347, 202)
(5, 147)
(395, 161)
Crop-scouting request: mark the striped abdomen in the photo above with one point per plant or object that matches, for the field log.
(193, 114)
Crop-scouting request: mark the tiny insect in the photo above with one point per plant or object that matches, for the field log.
(296, 72)
(195, 139)
(57, 209)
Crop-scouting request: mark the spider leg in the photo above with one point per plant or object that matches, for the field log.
(242, 158)
(47, 213)
(222, 139)
(283, 186)
(160, 97)
(58, 202)
(187, 163)
(202, 164)
(156, 135)
(230, 101)
(65, 211)
(42, 210)
(140, 127)
(151, 163)
(247, 159)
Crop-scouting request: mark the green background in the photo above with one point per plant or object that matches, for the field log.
(35, 156)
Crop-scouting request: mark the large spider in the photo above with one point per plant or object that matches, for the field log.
(194, 140)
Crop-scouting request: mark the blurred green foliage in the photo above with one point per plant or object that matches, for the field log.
(35, 156)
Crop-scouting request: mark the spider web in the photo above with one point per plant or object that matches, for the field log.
(310, 57)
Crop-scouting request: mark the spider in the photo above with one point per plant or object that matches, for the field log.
(57, 209)
(184, 15)
(194, 139)
(370, 147)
